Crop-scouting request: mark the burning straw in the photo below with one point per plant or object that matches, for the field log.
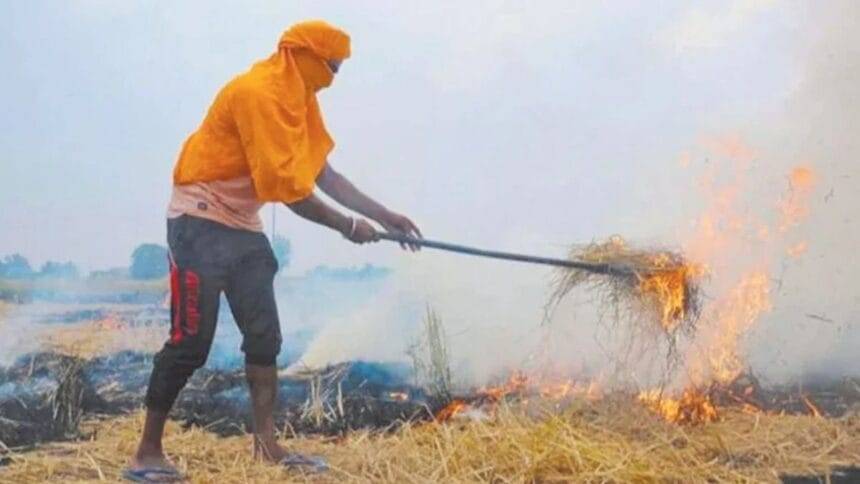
(647, 293)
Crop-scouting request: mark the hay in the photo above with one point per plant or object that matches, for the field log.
(641, 314)
(614, 440)
(90, 339)
(661, 283)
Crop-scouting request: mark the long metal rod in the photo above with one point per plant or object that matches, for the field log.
(494, 254)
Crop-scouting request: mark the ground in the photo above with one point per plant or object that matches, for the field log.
(612, 439)
(608, 441)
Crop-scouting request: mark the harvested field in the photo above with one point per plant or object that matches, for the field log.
(606, 441)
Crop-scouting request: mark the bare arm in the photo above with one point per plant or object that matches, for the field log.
(339, 188)
(316, 210)
(335, 185)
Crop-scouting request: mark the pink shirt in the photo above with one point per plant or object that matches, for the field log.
(230, 202)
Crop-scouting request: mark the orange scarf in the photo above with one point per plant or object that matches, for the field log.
(267, 123)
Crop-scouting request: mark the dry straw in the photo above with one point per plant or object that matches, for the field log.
(641, 315)
(614, 440)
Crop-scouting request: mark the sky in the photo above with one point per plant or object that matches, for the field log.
(513, 125)
(522, 126)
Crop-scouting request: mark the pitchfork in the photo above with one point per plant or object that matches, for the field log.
(595, 267)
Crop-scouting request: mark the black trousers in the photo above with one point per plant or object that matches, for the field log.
(208, 258)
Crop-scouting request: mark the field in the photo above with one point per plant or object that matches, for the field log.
(613, 438)
(588, 442)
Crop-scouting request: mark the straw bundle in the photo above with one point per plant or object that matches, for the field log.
(662, 283)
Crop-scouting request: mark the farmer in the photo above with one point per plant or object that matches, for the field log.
(263, 140)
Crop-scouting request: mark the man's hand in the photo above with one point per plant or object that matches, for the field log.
(345, 193)
(400, 224)
(360, 231)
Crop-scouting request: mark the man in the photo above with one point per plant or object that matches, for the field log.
(263, 140)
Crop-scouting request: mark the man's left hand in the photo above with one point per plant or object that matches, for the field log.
(400, 224)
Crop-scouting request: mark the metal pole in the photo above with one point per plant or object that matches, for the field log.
(597, 268)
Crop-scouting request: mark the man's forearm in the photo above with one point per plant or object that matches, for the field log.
(316, 210)
(345, 193)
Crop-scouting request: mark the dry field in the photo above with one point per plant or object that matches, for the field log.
(606, 441)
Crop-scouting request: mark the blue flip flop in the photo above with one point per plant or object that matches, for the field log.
(150, 475)
(308, 463)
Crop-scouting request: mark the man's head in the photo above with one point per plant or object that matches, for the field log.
(318, 49)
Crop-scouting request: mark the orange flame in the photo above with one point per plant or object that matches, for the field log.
(739, 248)
(691, 408)
(451, 410)
(797, 249)
(795, 207)
(669, 289)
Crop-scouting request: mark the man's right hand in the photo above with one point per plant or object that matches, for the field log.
(360, 231)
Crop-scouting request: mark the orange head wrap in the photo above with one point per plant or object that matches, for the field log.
(267, 123)
(311, 44)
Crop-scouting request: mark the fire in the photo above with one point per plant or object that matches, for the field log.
(740, 248)
(797, 249)
(692, 407)
(794, 207)
(451, 410)
(735, 315)
(517, 383)
(669, 290)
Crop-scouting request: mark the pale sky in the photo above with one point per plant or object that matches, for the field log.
(516, 125)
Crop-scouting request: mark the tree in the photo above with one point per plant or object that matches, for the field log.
(149, 261)
(59, 270)
(282, 249)
(15, 266)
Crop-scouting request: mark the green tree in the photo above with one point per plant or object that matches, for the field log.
(282, 249)
(149, 261)
(15, 266)
(59, 270)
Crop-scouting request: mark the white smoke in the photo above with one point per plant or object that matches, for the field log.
(492, 311)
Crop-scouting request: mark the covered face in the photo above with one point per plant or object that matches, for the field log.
(315, 46)
(266, 123)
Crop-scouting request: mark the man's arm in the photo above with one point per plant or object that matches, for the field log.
(316, 210)
(345, 193)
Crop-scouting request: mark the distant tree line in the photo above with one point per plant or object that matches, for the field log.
(16, 266)
(150, 261)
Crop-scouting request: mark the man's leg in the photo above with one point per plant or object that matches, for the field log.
(194, 313)
(263, 383)
(250, 293)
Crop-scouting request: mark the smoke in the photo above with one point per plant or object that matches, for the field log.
(18, 334)
(804, 269)
(493, 311)
(814, 325)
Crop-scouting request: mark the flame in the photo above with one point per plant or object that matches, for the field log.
(517, 383)
(734, 316)
(451, 410)
(794, 207)
(740, 247)
(797, 249)
(692, 407)
(669, 290)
